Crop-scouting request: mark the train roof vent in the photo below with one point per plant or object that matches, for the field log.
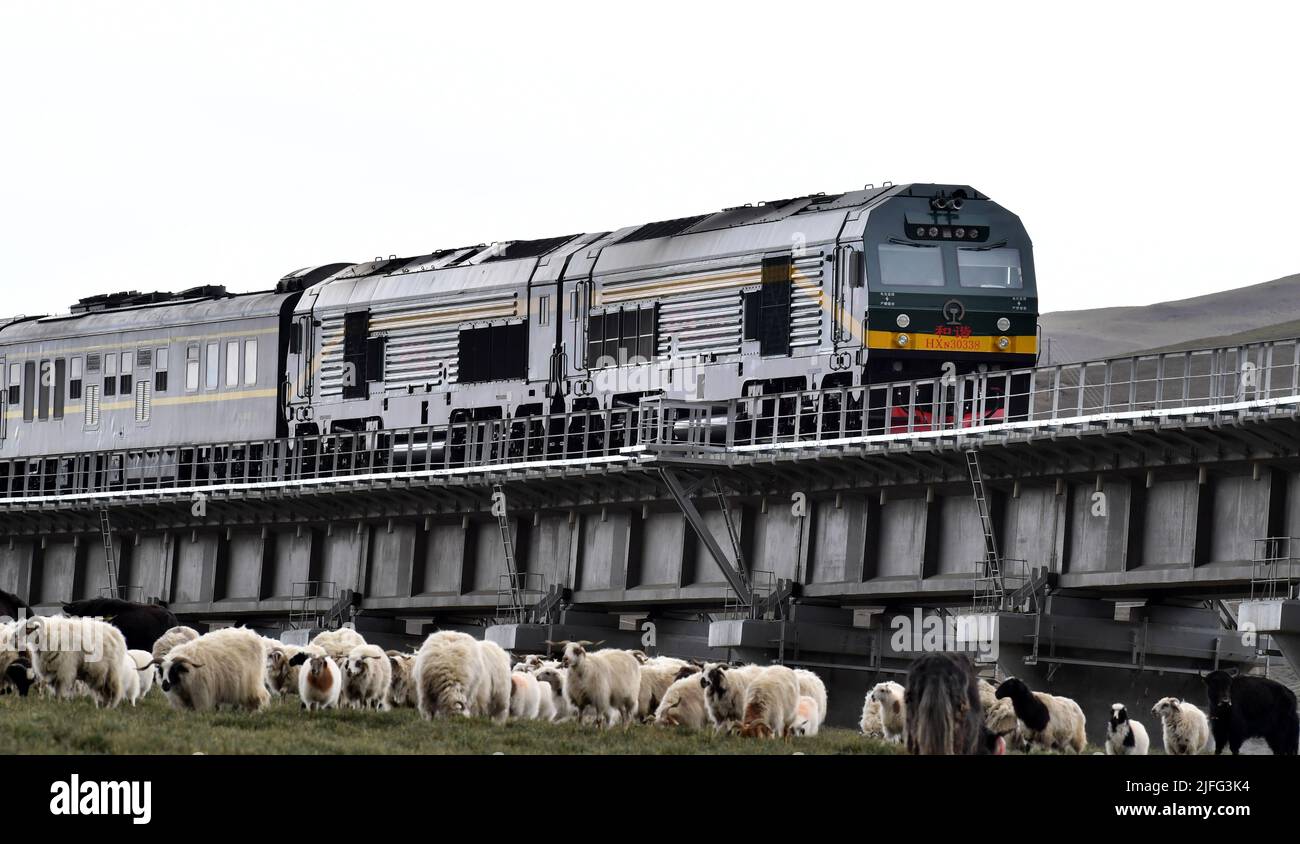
(527, 248)
(663, 228)
(203, 291)
(299, 280)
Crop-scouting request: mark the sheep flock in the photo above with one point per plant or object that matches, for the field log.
(452, 674)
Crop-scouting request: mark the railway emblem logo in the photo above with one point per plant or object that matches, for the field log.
(954, 311)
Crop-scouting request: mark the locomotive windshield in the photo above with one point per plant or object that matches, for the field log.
(990, 268)
(903, 265)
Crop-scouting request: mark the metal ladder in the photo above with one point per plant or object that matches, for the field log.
(994, 588)
(508, 547)
(106, 533)
(735, 546)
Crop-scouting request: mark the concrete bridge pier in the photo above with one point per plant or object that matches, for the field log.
(1278, 619)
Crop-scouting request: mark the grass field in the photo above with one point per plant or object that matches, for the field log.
(36, 725)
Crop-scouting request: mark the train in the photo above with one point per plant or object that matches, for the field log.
(817, 292)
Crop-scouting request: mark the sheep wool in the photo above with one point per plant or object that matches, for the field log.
(892, 699)
(142, 665)
(771, 703)
(222, 668)
(603, 686)
(870, 723)
(171, 638)
(807, 717)
(683, 705)
(810, 685)
(525, 696)
(657, 674)
(401, 690)
(457, 674)
(1048, 721)
(724, 692)
(1186, 730)
(78, 655)
(552, 674)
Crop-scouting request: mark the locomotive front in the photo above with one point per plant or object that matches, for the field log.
(950, 279)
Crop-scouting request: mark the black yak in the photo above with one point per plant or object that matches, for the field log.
(11, 605)
(141, 624)
(1243, 707)
(944, 716)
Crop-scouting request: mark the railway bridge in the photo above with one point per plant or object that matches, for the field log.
(1090, 527)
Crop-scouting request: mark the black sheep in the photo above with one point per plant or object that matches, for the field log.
(944, 715)
(1243, 707)
(141, 624)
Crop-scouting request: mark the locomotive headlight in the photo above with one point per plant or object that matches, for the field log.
(903, 320)
(1004, 324)
(1003, 343)
(903, 340)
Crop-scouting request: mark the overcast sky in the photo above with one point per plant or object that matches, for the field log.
(1150, 148)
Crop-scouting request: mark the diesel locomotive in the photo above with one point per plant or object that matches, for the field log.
(815, 292)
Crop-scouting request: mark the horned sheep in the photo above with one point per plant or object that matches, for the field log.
(683, 705)
(603, 686)
(70, 655)
(222, 668)
(1186, 730)
(368, 677)
(724, 692)
(1048, 721)
(401, 689)
(771, 703)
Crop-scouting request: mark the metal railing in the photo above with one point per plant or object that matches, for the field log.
(518, 596)
(1219, 379)
(310, 602)
(1273, 574)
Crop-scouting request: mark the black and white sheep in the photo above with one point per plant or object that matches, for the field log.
(1185, 729)
(1124, 736)
(1048, 721)
(222, 668)
(603, 686)
(458, 675)
(75, 655)
(1244, 706)
(367, 677)
(724, 692)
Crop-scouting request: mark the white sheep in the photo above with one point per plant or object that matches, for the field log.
(810, 685)
(870, 723)
(142, 666)
(1186, 729)
(1049, 721)
(281, 671)
(78, 655)
(546, 701)
(1124, 736)
(891, 698)
(319, 680)
(657, 674)
(552, 675)
(603, 684)
(724, 692)
(222, 668)
(401, 690)
(368, 677)
(771, 703)
(457, 674)
(807, 717)
(683, 705)
(178, 635)
(525, 696)
(338, 644)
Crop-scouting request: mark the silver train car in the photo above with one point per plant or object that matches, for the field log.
(800, 294)
(808, 293)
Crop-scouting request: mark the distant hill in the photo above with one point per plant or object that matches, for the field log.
(1267, 311)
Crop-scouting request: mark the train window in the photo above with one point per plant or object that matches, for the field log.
(15, 383)
(29, 390)
(492, 353)
(47, 379)
(995, 268)
(766, 311)
(160, 370)
(192, 368)
(910, 266)
(544, 310)
(213, 365)
(621, 336)
(232, 363)
(74, 380)
(91, 406)
(356, 326)
(128, 366)
(295, 339)
(250, 362)
(60, 381)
